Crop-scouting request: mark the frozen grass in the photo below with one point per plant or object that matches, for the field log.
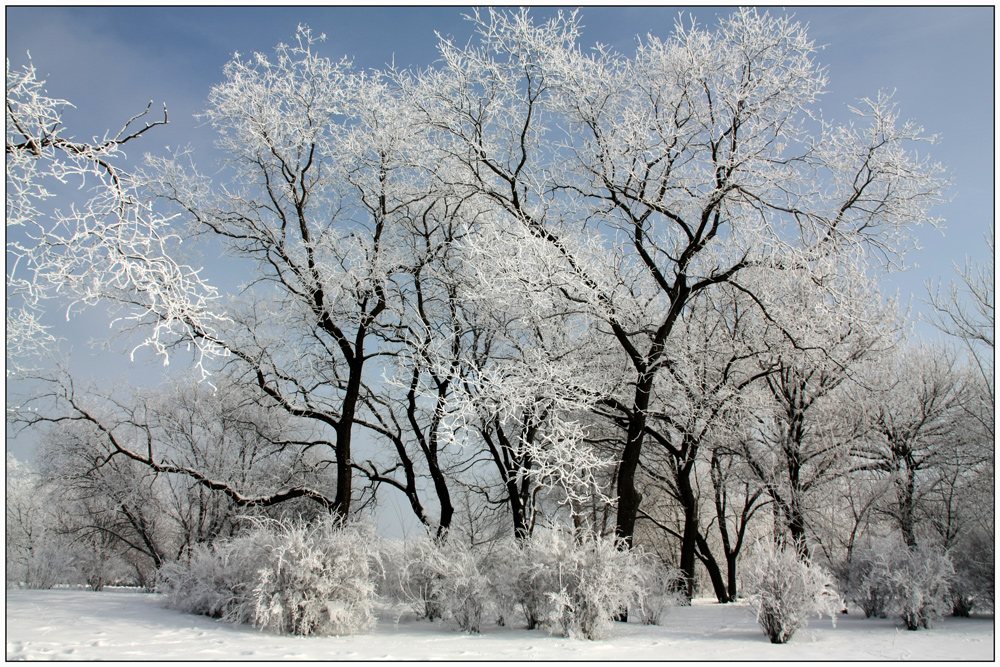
(124, 625)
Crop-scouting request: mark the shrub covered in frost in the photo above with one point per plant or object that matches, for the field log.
(577, 587)
(448, 579)
(975, 567)
(217, 580)
(784, 590)
(920, 582)
(873, 566)
(503, 560)
(287, 578)
(661, 589)
(419, 578)
(391, 563)
(316, 580)
(445, 580)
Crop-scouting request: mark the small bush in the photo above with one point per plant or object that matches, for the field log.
(661, 589)
(316, 580)
(504, 562)
(216, 580)
(446, 579)
(785, 590)
(920, 582)
(419, 579)
(974, 584)
(577, 587)
(872, 591)
(293, 579)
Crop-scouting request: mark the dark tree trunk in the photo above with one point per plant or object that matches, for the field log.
(731, 575)
(345, 428)
(628, 496)
(689, 539)
(714, 572)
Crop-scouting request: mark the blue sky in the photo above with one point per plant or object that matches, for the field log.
(111, 61)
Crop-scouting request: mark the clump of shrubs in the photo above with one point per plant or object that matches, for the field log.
(662, 588)
(576, 587)
(565, 584)
(785, 588)
(917, 584)
(445, 579)
(286, 578)
(326, 578)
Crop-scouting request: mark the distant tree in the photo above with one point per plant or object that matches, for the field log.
(808, 421)
(142, 458)
(915, 436)
(36, 555)
(967, 311)
(109, 510)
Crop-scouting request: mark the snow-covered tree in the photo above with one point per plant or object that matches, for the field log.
(809, 420)
(699, 405)
(914, 433)
(967, 312)
(317, 202)
(108, 507)
(36, 556)
(689, 164)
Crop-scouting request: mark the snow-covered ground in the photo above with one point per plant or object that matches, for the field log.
(124, 625)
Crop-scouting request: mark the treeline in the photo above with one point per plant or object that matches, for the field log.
(530, 287)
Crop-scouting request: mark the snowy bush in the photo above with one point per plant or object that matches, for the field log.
(784, 590)
(871, 591)
(287, 578)
(316, 580)
(391, 564)
(975, 582)
(419, 579)
(920, 582)
(217, 580)
(504, 561)
(577, 587)
(661, 589)
(445, 579)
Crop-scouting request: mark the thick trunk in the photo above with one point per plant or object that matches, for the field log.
(689, 540)
(517, 511)
(444, 498)
(731, 575)
(906, 514)
(345, 428)
(628, 496)
(342, 500)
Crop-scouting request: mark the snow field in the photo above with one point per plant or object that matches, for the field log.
(124, 625)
